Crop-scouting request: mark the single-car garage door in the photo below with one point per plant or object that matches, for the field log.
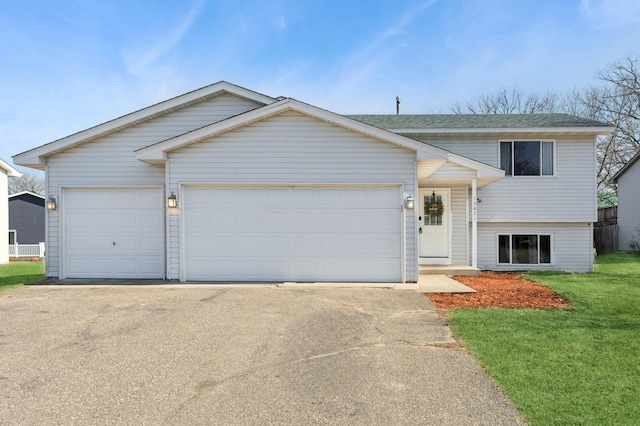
(294, 233)
(113, 233)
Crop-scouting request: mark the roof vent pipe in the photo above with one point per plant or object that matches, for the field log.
(397, 105)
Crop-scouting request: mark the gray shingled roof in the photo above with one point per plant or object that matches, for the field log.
(476, 121)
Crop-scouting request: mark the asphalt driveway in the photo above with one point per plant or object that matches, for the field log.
(235, 355)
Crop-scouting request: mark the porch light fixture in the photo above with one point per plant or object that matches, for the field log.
(51, 203)
(172, 201)
(408, 201)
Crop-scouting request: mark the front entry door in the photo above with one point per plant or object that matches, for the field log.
(434, 228)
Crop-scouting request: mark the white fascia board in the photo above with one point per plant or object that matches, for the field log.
(483, 170)
(587, 130)
(17, 194)
(10, 171)
(423, 150)
(156, 154)
(624, 169)
(34, 158)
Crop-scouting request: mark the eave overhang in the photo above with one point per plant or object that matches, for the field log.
(36, 158)
(497, 131)
(614, 179)
(9, 171)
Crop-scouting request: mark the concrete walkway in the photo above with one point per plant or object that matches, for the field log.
(426, 284)
(441, 284)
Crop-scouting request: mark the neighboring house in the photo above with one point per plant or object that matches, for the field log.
(6, 171)
(226, 184)
(26, 218)
(628, 181)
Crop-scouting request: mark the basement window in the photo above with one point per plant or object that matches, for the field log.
(524, 249)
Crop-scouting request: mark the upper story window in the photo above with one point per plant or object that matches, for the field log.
(527, 158)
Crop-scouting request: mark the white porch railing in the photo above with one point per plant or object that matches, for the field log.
(26, 250)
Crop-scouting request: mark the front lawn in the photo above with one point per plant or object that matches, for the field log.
(20, 273)
(577, 366)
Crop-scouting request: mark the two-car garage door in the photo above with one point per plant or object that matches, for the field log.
(293, 233)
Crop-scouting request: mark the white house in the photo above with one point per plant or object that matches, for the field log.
(6, 171)
(226, 184)
(628, 181)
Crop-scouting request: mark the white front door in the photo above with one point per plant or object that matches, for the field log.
(433, 226)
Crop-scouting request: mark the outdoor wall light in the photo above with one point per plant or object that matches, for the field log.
(408, 201)
(51, 203)
(172, 201)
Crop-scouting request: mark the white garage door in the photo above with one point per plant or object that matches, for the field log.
(292, 234)
(113, 233)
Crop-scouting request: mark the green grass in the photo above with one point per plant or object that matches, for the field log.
(20, 273)
(578, 366)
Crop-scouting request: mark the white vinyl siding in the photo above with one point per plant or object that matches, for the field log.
(111, 160)
(295, 149)
(629, 206)
(459, 229)
(572, 245)
(568, 196)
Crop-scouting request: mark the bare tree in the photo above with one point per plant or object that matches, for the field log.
(617, 103)
(510, 102)
(27, 182)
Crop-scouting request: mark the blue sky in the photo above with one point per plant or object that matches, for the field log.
(68, 65)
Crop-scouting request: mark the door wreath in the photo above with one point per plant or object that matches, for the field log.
(433, 206)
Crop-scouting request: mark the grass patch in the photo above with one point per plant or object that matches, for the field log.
(20, 273)
(578, 366)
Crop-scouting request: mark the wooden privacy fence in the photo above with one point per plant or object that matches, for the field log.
(608, 214)
(605, 231)
(605, 238)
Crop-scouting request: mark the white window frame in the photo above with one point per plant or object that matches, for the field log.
(15, 236)
(511, 234)
(512, 175)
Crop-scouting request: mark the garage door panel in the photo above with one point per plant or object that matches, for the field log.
(149, 244)
(224, 219)
(126, 266)
(150, 266)
(113, 233)
(292, 234)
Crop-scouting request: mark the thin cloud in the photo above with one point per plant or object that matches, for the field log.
(359, 67)
(281, 23)
(612, 12)
(365, 61)
(138, 62)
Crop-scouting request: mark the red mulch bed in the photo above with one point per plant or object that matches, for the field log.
(500, 290)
